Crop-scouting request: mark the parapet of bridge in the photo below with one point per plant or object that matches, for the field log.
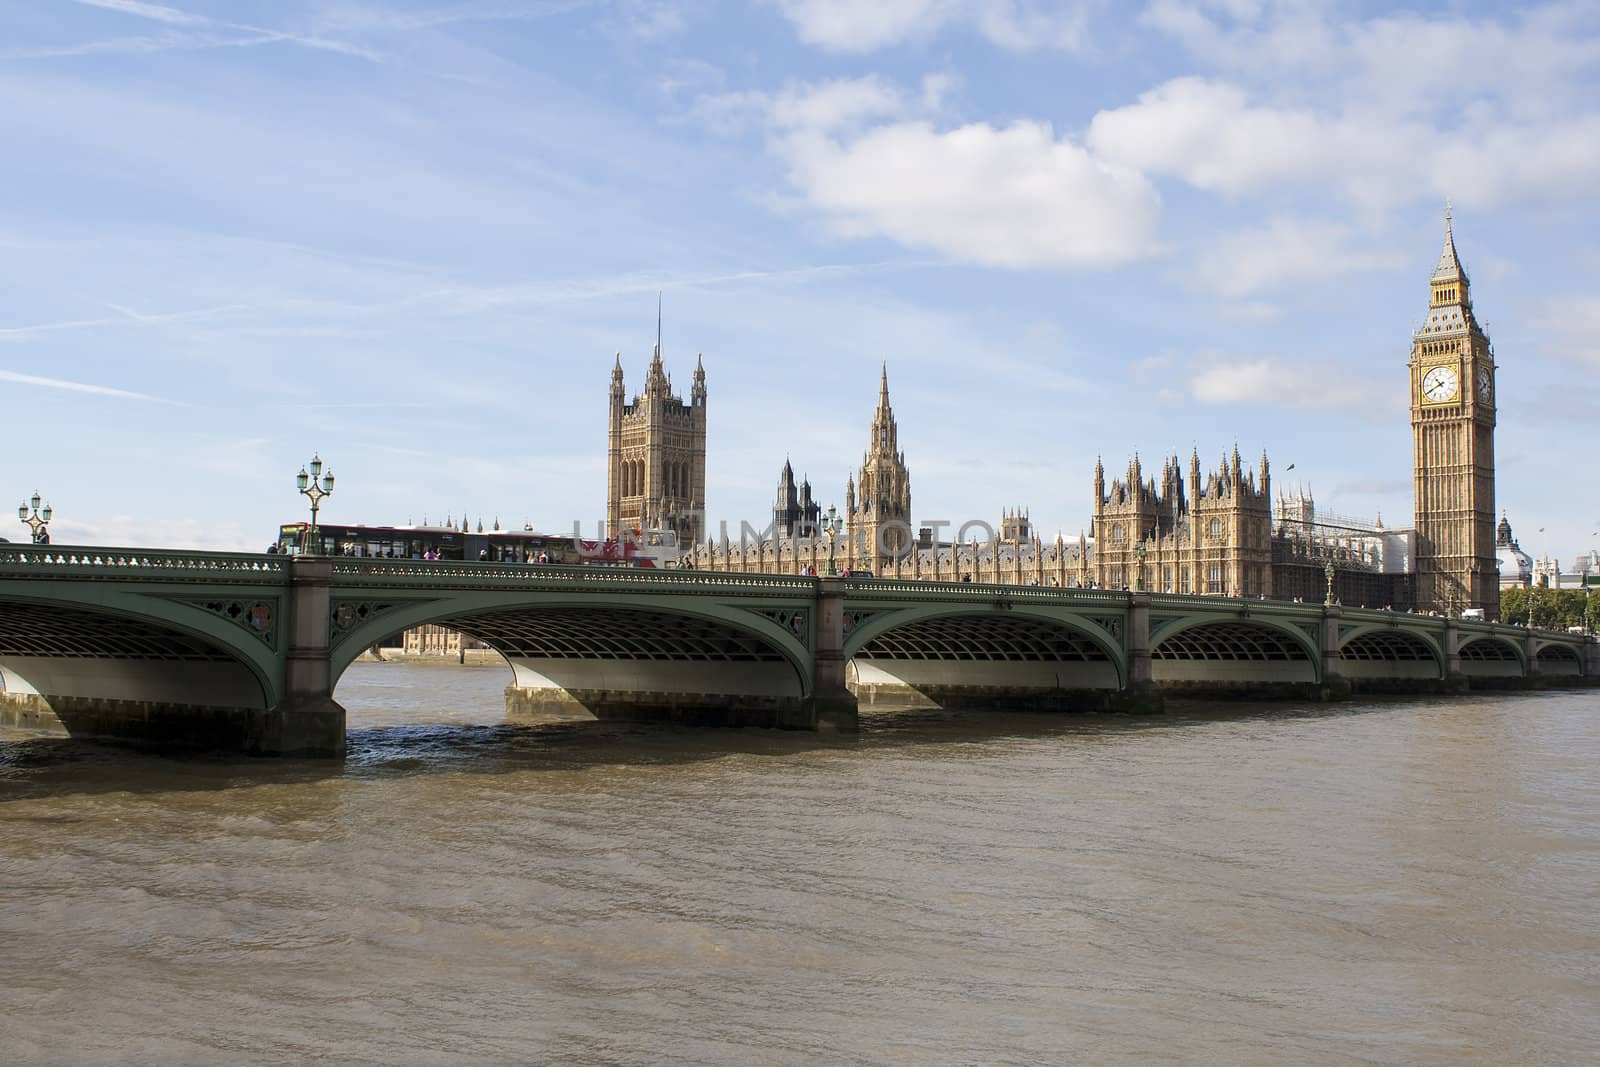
(243, 652)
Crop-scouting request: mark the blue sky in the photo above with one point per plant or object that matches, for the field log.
(411, 236)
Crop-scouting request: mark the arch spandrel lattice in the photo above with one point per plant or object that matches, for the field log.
(871, 623)
(1390, 653)
(1235, 641)
(60, 632)
(1489, 650)
(1391, 646)
(1561, 660)
(613, 633)
(1008, 638)
(709, 628)
(142, 648)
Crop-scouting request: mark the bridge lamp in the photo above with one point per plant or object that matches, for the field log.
(831, 525)
(36, 520)
(1327, 569)
(1138, 575)
(314, 485)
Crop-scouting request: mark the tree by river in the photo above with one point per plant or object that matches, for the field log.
(1554, 609)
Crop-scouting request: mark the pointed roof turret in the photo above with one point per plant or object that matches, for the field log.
(1449, 268)
(885, 434)
(1449, 312)
(656, 377)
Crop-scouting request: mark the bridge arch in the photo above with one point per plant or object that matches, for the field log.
(1233, 650)
(103, 665)
(945, 656)
(581, 655)
(1559, 660)
(1491, 656)
(1389, 652)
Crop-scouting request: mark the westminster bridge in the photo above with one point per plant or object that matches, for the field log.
(242, 652)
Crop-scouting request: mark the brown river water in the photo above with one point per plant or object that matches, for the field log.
(1394, 882)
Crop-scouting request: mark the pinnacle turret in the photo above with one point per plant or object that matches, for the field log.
(1449, 268)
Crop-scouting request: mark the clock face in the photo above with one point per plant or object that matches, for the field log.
(1485, 384)
(1440, 384)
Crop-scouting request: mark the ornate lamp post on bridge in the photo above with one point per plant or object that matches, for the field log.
(1138, 574)
(1327, 569)
(38, 521)
(308, 486)
(831, 525)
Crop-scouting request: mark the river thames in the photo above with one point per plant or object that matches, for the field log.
(1394, 882)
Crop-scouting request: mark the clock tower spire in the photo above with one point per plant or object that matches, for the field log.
(1452, 427)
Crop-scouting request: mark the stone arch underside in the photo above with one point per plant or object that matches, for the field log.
(1389, 654)
(98, 674)
(1560, 661)
(1234, 652)
(616, 662)
(47, 649)
(1490, 657)
(977, 657)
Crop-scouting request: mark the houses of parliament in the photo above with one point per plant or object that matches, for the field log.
(1178, 527)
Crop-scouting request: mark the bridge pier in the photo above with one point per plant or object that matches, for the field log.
(308, 721)
(1335, 686)
(1142, 696)
(1530, 656)
(833, 706)
(1455, 679)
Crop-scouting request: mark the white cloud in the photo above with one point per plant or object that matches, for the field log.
(1272, 383)
(1208, 134)
(1013, 196)
(1285, 250)
(1404, 62)
(864, 25)
(835, 104)
(1488, 110)
(1211, 135)
(1571, 328)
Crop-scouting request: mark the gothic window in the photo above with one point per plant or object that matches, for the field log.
(1183, 580)
(1117, 534)
(1116, 578)
(1214, 577)
(1214, 530)
(1166, 579)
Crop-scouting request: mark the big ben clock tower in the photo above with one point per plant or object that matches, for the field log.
(1452, 426)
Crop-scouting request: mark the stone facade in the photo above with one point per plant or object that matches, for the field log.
(1177, 536)
(434, 640)
(656, 468)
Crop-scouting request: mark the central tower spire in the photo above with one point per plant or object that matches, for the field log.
(881, 525)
